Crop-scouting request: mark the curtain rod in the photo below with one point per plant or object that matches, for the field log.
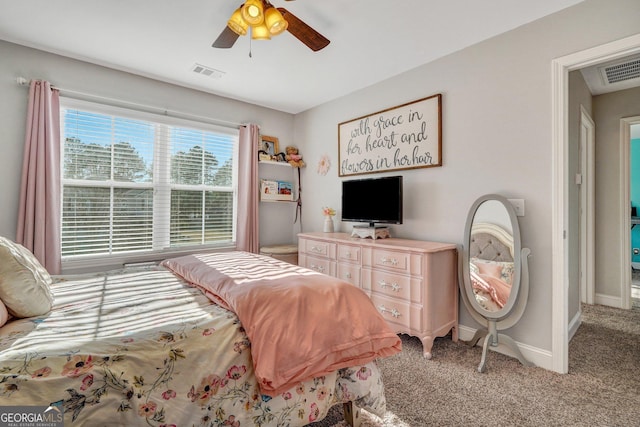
(148, 108)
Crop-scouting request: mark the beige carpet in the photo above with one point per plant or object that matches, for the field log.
(602, 387)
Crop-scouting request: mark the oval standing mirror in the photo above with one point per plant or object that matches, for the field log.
(494, 278)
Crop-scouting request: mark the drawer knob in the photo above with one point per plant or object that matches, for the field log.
(348, 275)
(317, 268)
(391, 261)
(317, 249)
(395, 313)
(394, 286)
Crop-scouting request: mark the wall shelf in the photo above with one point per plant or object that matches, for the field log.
(272, 162)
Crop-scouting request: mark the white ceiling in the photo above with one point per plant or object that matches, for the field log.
(371, 40)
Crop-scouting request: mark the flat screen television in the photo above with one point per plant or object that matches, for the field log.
(372, 200)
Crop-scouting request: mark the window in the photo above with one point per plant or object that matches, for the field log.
(135, 182)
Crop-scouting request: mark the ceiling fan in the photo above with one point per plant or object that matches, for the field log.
(264, 20)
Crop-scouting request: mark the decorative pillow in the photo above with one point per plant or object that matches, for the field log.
(24, 283)
(4, 314)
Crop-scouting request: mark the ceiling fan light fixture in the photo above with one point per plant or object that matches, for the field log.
(237, 24)
(260, 32)
(263, 20)
(253, 12)
(274, 21)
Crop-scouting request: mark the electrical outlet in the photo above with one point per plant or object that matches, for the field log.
(518, 206)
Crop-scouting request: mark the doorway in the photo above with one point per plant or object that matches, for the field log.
(560, 179)
(629, 200)
(634, 197)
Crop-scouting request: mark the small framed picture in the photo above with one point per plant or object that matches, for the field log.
(269, 144)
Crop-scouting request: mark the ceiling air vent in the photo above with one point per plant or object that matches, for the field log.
(207, 71)
(621, 72)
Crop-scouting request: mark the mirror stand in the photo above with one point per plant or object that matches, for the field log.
(490, 334)
(491, 339)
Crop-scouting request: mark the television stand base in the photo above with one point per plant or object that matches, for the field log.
(370, 232)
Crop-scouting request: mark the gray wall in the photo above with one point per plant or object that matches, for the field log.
(497, 138)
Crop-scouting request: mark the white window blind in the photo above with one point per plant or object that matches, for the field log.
(135, 182)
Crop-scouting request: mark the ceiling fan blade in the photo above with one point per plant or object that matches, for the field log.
(307, 35)
(226, 39)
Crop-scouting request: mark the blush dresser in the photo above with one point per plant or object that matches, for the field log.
(412, 283)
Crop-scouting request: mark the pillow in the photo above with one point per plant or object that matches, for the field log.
(24, 283)
(4, 314)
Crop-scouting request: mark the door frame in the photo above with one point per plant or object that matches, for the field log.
(560, 68)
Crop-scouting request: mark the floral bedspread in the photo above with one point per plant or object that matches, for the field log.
(142, 348)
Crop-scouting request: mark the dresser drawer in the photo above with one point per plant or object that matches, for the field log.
(349, 273)
(321, 265)
(390, 284)
(395, 312)
(390, 260)
(318, 248)
(348, 253)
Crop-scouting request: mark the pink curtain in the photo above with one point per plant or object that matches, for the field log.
(39, 209)
(247, 235)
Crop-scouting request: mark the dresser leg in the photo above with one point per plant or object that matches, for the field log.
(427, 345)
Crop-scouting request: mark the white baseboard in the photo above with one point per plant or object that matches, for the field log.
(608, 300)
(574, 324)
(539, 357)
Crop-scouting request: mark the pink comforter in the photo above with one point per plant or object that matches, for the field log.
(301, 324)
(497, 288)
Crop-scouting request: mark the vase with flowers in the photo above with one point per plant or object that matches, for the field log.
(328, 219)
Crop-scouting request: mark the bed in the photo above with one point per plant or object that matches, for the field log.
(491, 265)
(149, 346)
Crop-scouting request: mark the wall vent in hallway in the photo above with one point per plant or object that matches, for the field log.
(627, 70)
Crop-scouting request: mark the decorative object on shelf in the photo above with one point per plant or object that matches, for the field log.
(269, 144)
(408, 136)
(293, 157)
(328, 219)
(272, 190)
(324, 165)
(263, 156)
(279, 157)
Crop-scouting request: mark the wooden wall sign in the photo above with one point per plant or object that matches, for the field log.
(408, 136)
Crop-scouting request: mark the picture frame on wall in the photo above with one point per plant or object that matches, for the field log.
(269, 144)
(407, 136)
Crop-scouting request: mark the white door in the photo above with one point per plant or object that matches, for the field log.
(587, 208)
